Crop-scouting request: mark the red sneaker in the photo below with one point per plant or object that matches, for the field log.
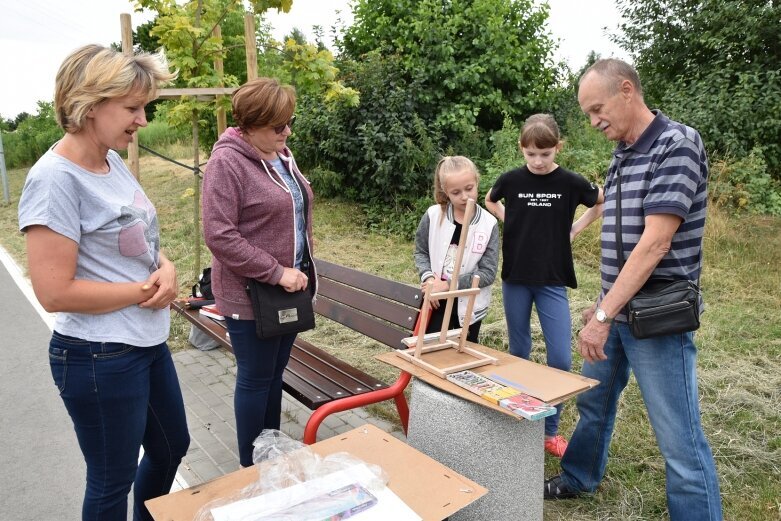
(556, 446)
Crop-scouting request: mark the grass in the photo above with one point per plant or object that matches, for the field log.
(739, 344)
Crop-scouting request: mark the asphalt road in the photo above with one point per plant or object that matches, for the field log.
(42, 472)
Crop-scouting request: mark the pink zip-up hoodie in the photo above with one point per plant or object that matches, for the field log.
(249, 221)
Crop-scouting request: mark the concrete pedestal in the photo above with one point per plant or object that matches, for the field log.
(502, 453)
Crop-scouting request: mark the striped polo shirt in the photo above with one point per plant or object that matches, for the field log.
(664, 172)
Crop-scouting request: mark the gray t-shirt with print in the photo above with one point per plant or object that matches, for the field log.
(115, 226)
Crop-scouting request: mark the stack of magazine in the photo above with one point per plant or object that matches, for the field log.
(505, 396)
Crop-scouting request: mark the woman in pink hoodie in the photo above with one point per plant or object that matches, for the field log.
(257, 220)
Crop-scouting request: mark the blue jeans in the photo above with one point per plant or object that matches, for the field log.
(257, 401)
(553, 310)
(121, 397)
(665, 369)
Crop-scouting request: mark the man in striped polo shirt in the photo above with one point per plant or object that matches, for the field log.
(663, 171)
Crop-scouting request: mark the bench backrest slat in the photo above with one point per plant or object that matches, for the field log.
(399, 314)
(374, 328)
(379, 308)
(389, 289)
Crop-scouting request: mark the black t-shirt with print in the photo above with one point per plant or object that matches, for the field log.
(539, 210)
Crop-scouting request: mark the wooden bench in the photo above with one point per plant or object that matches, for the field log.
(379, 308)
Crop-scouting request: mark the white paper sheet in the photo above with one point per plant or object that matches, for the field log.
(388, 506)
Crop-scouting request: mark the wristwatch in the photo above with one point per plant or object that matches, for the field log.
(602, 317)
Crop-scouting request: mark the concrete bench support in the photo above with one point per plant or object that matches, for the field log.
(503, 454)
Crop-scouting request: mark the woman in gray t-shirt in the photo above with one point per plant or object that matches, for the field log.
(93, 249)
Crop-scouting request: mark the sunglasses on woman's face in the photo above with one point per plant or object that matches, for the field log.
(281, 128)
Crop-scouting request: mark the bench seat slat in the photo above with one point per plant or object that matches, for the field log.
(342, 374)
(303, 391)
(322, 382)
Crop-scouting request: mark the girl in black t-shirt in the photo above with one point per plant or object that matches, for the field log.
(540, 200)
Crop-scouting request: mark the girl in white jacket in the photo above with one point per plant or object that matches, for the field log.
(436, 242)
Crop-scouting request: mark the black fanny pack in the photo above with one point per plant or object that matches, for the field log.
(664, 307)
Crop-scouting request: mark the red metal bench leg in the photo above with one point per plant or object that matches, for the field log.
(403, 408)
(395, 391)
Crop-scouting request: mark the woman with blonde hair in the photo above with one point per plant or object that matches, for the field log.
(93, 249)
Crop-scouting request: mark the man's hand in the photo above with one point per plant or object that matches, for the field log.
(587, 314)
(591, 340)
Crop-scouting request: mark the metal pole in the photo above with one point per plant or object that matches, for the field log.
(3, 173)
(196, 167)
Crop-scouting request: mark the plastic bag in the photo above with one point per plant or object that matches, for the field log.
(296, 484)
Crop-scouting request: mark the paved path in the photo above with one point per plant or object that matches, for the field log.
(42, 475)
(41, 468)
(207, 379)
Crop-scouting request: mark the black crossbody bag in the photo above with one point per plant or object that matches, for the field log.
(663, 306)
(278, 311)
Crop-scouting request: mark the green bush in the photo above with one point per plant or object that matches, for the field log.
(158, 135)
(505, 154)
(381, 153)
(32, 138)
(745, 185)
(585, 150)
(475, 60)
(735, 113)
(714, 65)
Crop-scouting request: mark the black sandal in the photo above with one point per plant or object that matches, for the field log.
(555, 488)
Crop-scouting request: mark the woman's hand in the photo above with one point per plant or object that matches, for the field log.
(52, 262)
(163, 280)
(293, 280)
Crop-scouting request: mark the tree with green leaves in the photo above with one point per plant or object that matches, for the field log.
(715, 65)
(475, 60)
(434, 76)
(186, 33)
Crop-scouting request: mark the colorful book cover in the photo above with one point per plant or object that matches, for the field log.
(473, 382)
(527, 406)
(497, 395)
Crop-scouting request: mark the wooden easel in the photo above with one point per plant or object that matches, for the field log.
(474, 358)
